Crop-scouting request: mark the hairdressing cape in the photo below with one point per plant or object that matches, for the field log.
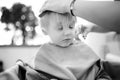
(68, 63)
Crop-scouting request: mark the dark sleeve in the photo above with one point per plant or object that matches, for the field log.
(101, 74)
(113, 69)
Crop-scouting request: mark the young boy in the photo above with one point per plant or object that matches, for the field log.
(64, 57)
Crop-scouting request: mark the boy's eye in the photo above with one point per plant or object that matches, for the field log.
(60, 28)
(71, 27)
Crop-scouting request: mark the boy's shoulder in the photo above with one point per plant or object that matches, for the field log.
(44, 46)
(85, 49)
(81, 44)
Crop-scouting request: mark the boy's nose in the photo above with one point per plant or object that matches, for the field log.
(67, 32)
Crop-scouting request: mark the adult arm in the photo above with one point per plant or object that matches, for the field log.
(106, 14)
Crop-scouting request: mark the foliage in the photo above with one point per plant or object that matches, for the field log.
(21, 16)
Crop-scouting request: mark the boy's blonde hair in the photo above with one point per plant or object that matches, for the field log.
(65, 18)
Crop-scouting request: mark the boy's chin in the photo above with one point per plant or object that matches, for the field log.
(64, 44)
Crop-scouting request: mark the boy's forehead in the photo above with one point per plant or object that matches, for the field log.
(62, 19)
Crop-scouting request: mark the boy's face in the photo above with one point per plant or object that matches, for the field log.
(61, 32)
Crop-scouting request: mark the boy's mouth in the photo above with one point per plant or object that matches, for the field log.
(66, 42)
(67, 39)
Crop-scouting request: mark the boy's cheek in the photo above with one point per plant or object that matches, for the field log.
(75, 32)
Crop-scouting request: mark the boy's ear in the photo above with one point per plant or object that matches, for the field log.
(44, 31)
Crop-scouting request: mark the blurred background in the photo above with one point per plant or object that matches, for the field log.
(21, 35)
(19, 23)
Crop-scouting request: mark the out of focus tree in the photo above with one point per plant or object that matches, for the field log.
(6, 16)
(22, 17)
(31, 22)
